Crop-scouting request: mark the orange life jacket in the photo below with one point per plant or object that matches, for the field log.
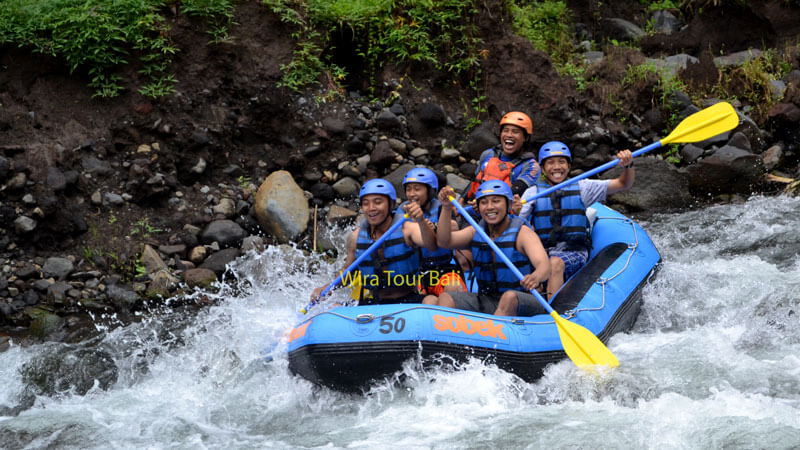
(495, 169)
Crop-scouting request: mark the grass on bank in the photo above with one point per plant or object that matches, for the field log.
(101, 36)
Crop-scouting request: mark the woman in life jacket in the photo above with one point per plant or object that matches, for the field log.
(390, 272)
(438, 273)
(499, 289)
(512, 160)
(560, 217)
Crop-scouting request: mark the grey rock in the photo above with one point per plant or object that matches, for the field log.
(773, 157)
(665, 22)
(386, 120)
(122, 297)
(57, 292)
(431, 114)
(480, 139)
(58, 268)
(96, 166)
(672, 64)
(737, 59)
(226, 232)
(112, 199)
(739, 140)
(24, 224)
(55, 179)
(219, 260)
(226, 207)
(593, 56)
(621, 29)
(690, 153)
(729, 170)
(252, 243)
(5, 166)
(281, 206)
(346, 187)
(458, 183)
(334, 126)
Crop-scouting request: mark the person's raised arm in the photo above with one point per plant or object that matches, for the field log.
(446, 236)
(624, 181)
(528, 243)
(418, 233)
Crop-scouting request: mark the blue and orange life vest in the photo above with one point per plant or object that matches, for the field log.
(441, 257)
(493, 275)
(493, 168)
(561, 217)
(396, 257)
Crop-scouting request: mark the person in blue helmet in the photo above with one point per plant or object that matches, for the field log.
(499, 290)
(390, 271)
(438, 273)
(560, 217)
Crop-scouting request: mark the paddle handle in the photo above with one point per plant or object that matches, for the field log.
(499, 253)
(355, 264)
(594, 171)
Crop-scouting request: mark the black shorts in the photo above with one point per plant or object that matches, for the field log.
(528, 305)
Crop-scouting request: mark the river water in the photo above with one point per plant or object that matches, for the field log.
(713, 361)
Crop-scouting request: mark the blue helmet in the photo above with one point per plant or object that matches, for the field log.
(422, 175)
(554, 148)
(494, 187)
(378, 186)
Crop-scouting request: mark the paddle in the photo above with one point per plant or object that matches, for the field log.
(580, 344)
(699, 126)
(358, 261)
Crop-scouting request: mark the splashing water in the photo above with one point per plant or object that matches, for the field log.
(711, 362)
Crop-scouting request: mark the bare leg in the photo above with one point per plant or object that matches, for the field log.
(508, 305)
(446, 300)
(556, 279)
(430, 300)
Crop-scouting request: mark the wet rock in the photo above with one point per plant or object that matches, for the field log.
(226, 232)
(57, 268)
(281, 206)
(338, 214)
(70, 369)
(199, 277)
(729, 170)
(43, 322)
(346, 187)
(57, 293)
(322, 191)
(161, 284)
(654, 178)
(252, 243)
(773, 157)
(122, 297)
(151, 260)
(220, 259)
(739, 140)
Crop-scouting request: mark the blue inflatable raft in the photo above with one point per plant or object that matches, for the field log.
(347, 348)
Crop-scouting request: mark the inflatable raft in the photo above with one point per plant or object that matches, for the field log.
(348, 348)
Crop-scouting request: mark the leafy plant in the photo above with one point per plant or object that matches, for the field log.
(143, 226)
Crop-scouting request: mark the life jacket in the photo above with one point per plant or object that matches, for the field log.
(493, 168)
(564, 222)
(441, 257)
(493, 275)
(398, 257)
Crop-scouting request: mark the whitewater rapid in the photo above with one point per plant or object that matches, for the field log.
(712, 362)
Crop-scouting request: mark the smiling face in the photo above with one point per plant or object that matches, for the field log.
(417, 192)
(556, 169)
(511, 139)
(493, 208)
(376, 208)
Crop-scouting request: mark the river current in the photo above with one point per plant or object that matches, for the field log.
(713, 361)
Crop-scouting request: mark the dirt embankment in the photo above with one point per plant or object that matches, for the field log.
(97, 179)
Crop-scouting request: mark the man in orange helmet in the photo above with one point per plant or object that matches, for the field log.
(512, 161)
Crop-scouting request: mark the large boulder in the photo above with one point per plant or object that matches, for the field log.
(729, 170)
(281, 207)
(658, 186)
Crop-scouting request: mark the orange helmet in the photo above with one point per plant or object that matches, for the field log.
(519, 119)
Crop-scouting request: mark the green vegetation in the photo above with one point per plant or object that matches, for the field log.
(440, 33)
(101, 36)
(143, 227)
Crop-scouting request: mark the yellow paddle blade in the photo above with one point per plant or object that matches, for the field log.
(704, 124)
(582, 346)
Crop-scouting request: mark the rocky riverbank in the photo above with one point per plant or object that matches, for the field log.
(111, 206)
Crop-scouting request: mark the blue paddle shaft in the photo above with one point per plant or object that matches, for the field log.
(499, 253)
(358, 261)
(594, 171)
